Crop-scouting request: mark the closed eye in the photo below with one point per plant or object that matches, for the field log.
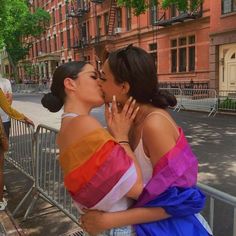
(102, 78)
(94, 77)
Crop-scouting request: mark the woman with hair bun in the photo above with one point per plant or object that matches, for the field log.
(169, 168)
(100, 171)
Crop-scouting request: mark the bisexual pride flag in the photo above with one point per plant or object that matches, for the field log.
(173, 187)
(97, 171)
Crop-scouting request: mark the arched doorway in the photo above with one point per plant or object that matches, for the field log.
(230, 69)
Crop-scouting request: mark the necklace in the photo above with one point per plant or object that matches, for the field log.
(69, 114)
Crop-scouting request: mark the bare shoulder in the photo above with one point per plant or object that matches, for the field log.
(73, 129)
(83, 124)
(159, 120)
(160, 134)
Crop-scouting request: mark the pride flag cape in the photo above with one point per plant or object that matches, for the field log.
(97, 171)
(173, 187)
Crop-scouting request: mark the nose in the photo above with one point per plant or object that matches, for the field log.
(99, 81)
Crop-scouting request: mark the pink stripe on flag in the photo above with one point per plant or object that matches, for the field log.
(107, 176)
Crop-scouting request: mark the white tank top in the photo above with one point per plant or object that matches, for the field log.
(144, 162)
(142, 158)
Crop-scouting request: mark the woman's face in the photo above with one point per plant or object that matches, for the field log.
(88, 88)
(109, 86)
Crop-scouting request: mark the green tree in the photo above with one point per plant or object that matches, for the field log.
(140, 6)
(17, 23)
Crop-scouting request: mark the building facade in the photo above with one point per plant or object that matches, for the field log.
(191, 49)
(222, 57)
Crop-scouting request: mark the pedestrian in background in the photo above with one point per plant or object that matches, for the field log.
(6, 107)
(5, 85)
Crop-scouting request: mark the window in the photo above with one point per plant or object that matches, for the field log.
(60, 13)
(55, 42)
(228, 6)
(191, 58)
(40, 46)
(173, 10)
(68, 38)
(53, 17)
(62, 39)
(182, 60)
(153, 46)
(173, 60)
(45, 45)
(99, 26)
(182, 54)
(84, 33)
(49, 44)
(88, 34)
(154, 56)
(129, 18)
(153, 51)
(106, 22)
(119, 18)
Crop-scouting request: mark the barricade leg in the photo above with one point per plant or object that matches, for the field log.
(31, 206)
(23, 200)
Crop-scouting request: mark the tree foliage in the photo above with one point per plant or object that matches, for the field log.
(16, 23)
(140, 6)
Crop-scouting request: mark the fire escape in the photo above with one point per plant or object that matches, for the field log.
(181, 17)
(77, 10)
(112, 17)
(103, 42)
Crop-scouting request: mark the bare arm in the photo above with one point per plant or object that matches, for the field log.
(9, 97)
(6, 106)
(95, 222)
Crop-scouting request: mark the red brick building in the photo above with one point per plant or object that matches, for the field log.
(222, 57)
(190, 48)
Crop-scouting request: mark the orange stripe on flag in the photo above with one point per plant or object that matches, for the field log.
(77, 154)
(81, 175)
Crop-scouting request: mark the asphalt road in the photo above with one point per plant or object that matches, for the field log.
(213, 140)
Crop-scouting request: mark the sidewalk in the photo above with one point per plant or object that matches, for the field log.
(9, 226)
(44, 220)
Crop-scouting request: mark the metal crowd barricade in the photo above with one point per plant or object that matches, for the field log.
(200, 100)
(49, 179)
(36, 155)
(22, 147)
(225, 198)
(29, 88)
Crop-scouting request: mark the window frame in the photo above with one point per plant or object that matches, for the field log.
(232, 7)
(183, 54)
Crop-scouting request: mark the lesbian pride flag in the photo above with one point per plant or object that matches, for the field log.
(173, 187)
(97, 171)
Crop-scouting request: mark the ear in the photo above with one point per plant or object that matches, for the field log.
(125, 88)
(70, 84)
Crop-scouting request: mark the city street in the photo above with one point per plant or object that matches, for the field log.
(213, 140)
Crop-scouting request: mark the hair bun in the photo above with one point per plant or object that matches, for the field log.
(163, 99)
(51, 102)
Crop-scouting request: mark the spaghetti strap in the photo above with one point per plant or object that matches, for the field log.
(70, 114)
(157, 112)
